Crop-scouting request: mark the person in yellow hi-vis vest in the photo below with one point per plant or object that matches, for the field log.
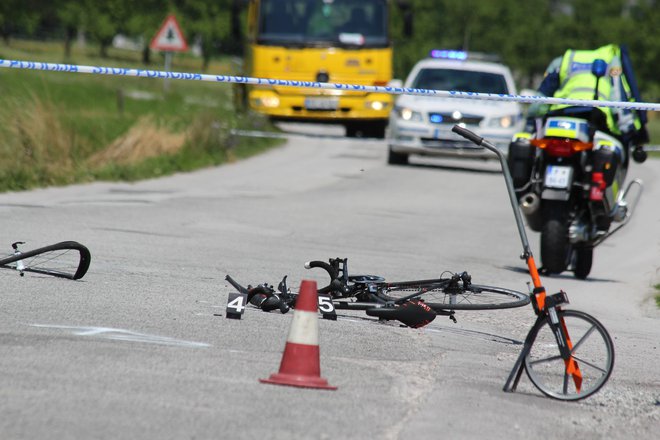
(570, 77)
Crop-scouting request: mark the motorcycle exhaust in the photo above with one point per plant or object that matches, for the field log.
(620, 211)
(529, 203)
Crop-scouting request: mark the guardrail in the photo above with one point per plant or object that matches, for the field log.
(145, 73)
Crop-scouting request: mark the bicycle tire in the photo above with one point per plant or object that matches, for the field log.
(67, 259)
(473, 297)
(592, 348)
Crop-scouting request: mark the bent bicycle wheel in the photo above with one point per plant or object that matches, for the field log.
(592, 349)
(67, 259)
(470, 297)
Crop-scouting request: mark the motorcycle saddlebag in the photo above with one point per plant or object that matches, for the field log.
(520, 160)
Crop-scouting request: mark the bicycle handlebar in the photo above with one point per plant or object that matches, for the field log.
(335, 285)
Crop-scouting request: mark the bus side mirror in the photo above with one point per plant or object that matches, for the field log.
(408, 23)
(406, 11)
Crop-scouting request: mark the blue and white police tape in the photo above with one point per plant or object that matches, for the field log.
(145, 73)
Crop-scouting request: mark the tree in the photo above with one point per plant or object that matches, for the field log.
(18, 16)
(144, 22)
(207, 20)
(71, 14)
(103, 20)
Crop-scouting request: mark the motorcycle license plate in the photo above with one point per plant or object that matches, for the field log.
(558, 176)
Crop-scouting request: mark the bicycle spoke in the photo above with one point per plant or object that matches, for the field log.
(545, 360)
(595, 367)
(582, 339)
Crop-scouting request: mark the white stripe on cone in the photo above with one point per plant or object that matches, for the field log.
(304, 328)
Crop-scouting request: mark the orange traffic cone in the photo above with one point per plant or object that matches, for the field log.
(300, 366)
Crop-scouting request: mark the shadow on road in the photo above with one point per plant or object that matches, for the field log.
(565, 275)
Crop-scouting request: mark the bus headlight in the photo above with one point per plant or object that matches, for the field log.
(376, 105)
(267, 101)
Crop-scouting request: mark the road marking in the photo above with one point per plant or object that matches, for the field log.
(117, 334)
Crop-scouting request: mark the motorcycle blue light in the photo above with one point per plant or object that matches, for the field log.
(436, 119)
(449, 54)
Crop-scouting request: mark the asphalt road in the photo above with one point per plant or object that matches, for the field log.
(135, 349)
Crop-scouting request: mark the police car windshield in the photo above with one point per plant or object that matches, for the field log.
(460, 80)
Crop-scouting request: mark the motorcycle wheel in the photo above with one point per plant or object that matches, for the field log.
(555, 247)
(584, 257)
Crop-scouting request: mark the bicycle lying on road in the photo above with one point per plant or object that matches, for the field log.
(414, 303)
(67, 259)
(567, 354)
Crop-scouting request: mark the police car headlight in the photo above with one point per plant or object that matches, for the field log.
(503, 122)
(408, 114)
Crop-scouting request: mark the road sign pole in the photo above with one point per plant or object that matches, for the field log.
(167, 40)
(168, 66)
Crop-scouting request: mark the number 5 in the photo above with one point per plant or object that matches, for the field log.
(327, 308)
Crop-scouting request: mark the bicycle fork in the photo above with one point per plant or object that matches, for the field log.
(19, 264)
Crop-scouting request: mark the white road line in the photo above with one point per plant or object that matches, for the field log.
(117, 334)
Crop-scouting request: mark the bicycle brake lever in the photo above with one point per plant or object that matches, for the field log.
(15, 245)
(466, 278)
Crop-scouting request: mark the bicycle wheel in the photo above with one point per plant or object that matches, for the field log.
(439, 296)
(592, 349)
(67, 259)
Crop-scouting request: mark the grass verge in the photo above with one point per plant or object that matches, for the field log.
(61, 128)
(657, 295)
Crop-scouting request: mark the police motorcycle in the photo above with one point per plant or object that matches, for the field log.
(569, 177)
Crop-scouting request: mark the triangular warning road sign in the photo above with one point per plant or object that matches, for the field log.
(169, 37)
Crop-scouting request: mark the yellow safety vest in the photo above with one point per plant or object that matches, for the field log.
(577, 82)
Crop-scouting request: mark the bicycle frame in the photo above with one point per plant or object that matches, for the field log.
(545, 307)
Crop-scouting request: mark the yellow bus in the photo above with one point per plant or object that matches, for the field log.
(338, 41)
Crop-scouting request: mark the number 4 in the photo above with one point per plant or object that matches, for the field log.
(236, 305)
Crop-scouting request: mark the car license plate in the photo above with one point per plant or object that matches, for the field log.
(558, 176)
(321, 103)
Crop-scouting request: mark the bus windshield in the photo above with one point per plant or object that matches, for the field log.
(323, 23)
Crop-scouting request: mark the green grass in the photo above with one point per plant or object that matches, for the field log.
(60, 128)
(657, 296)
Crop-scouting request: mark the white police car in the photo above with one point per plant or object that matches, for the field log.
(422, 124)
